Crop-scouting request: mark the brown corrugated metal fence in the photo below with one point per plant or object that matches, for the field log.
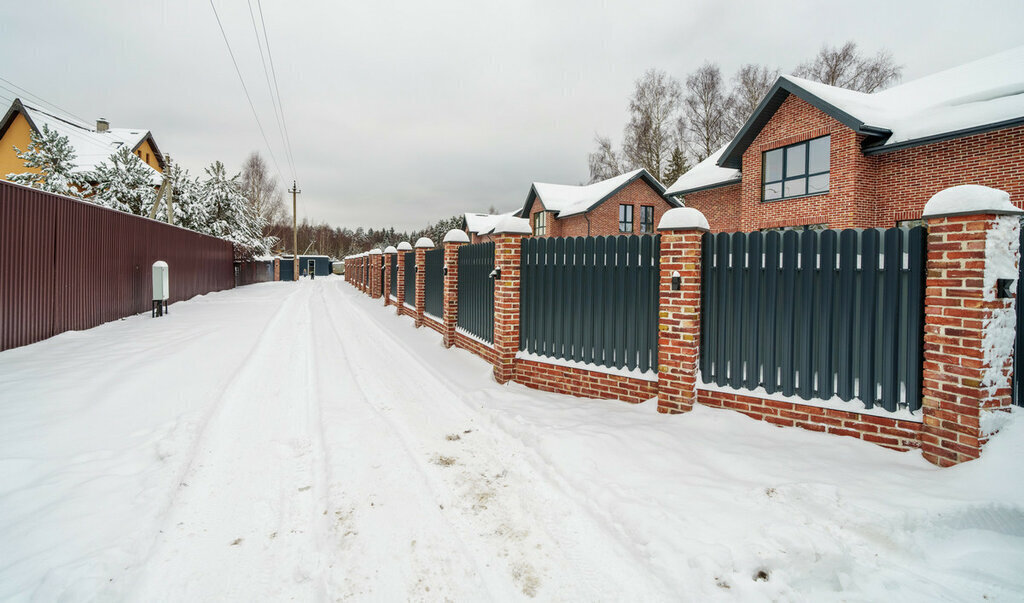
(70, 265)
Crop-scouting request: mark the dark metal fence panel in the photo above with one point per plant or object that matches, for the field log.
(68, 264)
(815, 314)
(1018, 344)
(433, 282)
(410, 278)
(591, 299)
(248, 273)
(394, 275)
(476, 290)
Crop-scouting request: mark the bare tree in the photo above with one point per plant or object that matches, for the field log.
(707, 107)
(649, 138)
(846, 67)
(262, 189)
(749, 87)
(604, 162)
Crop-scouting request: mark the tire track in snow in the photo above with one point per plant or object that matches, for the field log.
(242, 523)
(392, 539)
(521, 519)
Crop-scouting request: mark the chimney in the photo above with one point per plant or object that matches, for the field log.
(102, 125)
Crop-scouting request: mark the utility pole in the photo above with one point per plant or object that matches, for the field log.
(295, 235)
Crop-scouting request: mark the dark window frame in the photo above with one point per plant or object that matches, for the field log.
(806, 176)
(646, 219)
(628, 219)
(540, 224)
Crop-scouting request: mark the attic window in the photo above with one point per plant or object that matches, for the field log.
(540, 223)
(796, 170)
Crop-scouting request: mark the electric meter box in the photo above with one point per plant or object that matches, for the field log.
(161, 282)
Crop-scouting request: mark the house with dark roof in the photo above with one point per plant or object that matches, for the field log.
(814, 155)
(631, 203)
(93, 145)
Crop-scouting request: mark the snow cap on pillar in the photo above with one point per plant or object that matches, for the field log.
(969, 199)
(512, 225)
(374, 251)
(390, 249)
(456, 236)
(404, 246)
(683, 218)
(424, 243)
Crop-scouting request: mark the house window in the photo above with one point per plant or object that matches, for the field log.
(625, 218)
(646, 218)
(147, 157)
(798, 170)
(540, 223)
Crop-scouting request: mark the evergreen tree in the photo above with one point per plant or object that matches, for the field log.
(228, 213)
(677, 166)
(52, 154)
(125, 183)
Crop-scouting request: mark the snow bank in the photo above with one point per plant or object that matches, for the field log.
(683, 218)
(969, 199)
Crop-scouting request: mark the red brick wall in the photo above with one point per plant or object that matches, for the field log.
(480, 349)
(428, 321)
(583, 383)
(721, 206)
(604, 219)
(891, 433)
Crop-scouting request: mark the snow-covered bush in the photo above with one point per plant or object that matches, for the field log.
(52, 154)
(125, 183)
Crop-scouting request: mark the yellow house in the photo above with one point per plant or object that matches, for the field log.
(93, 145)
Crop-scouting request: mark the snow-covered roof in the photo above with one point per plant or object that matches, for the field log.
(512, 225)
(706, 174)
(567, 199)
(481, 224)
(91, 147)
(974, 97)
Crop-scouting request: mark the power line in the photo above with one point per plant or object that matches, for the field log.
(273, 100)
(244, 89)
(39, 99)
(273, 71)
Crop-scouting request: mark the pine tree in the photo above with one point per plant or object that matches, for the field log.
(228, 213)
(677, 166)
(52, 154)
(125, 183)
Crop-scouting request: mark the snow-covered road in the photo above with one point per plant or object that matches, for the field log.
(284, 441)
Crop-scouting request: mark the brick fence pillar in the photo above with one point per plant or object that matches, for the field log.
(452, 242)
(389, 252)
(403, 247)
(679, 308)
(508, 236)
(422, 246)
(375, 275)
(969, 325)
(277, 269)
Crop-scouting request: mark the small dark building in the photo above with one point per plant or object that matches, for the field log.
(320, 265)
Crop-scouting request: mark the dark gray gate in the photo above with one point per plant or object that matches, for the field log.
(591, 299)
(817, 314)
(394, 275)
(1018, 344)
(476, 290)
(433, 282)
(410, 278)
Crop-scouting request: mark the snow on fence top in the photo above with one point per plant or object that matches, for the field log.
(390, 249)
(404, 246)
(683, 218)
(456, 236)
(374, 251)
(969, 199)
(424, 243)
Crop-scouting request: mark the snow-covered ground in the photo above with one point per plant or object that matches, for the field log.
(284, 441)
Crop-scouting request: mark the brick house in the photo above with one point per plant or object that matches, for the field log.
(631, 203)
(480, 226)
(814, 155)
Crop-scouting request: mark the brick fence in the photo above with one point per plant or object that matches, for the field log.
(967, 364)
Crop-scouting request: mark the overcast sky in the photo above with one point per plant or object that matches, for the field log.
(401, 113)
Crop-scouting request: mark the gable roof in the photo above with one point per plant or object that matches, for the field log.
(91, 147)
(983, 95)
(569, 200)
(481, 224)
(706, 174)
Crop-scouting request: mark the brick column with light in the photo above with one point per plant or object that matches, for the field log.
(508, 235)
(681, 230)
(970, 320)
(452, 242)
(422, 246)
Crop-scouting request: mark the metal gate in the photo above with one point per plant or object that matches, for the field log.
(410, 279)
(1018, 344)
(394, 275)
(476, 290)
(433, 282)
